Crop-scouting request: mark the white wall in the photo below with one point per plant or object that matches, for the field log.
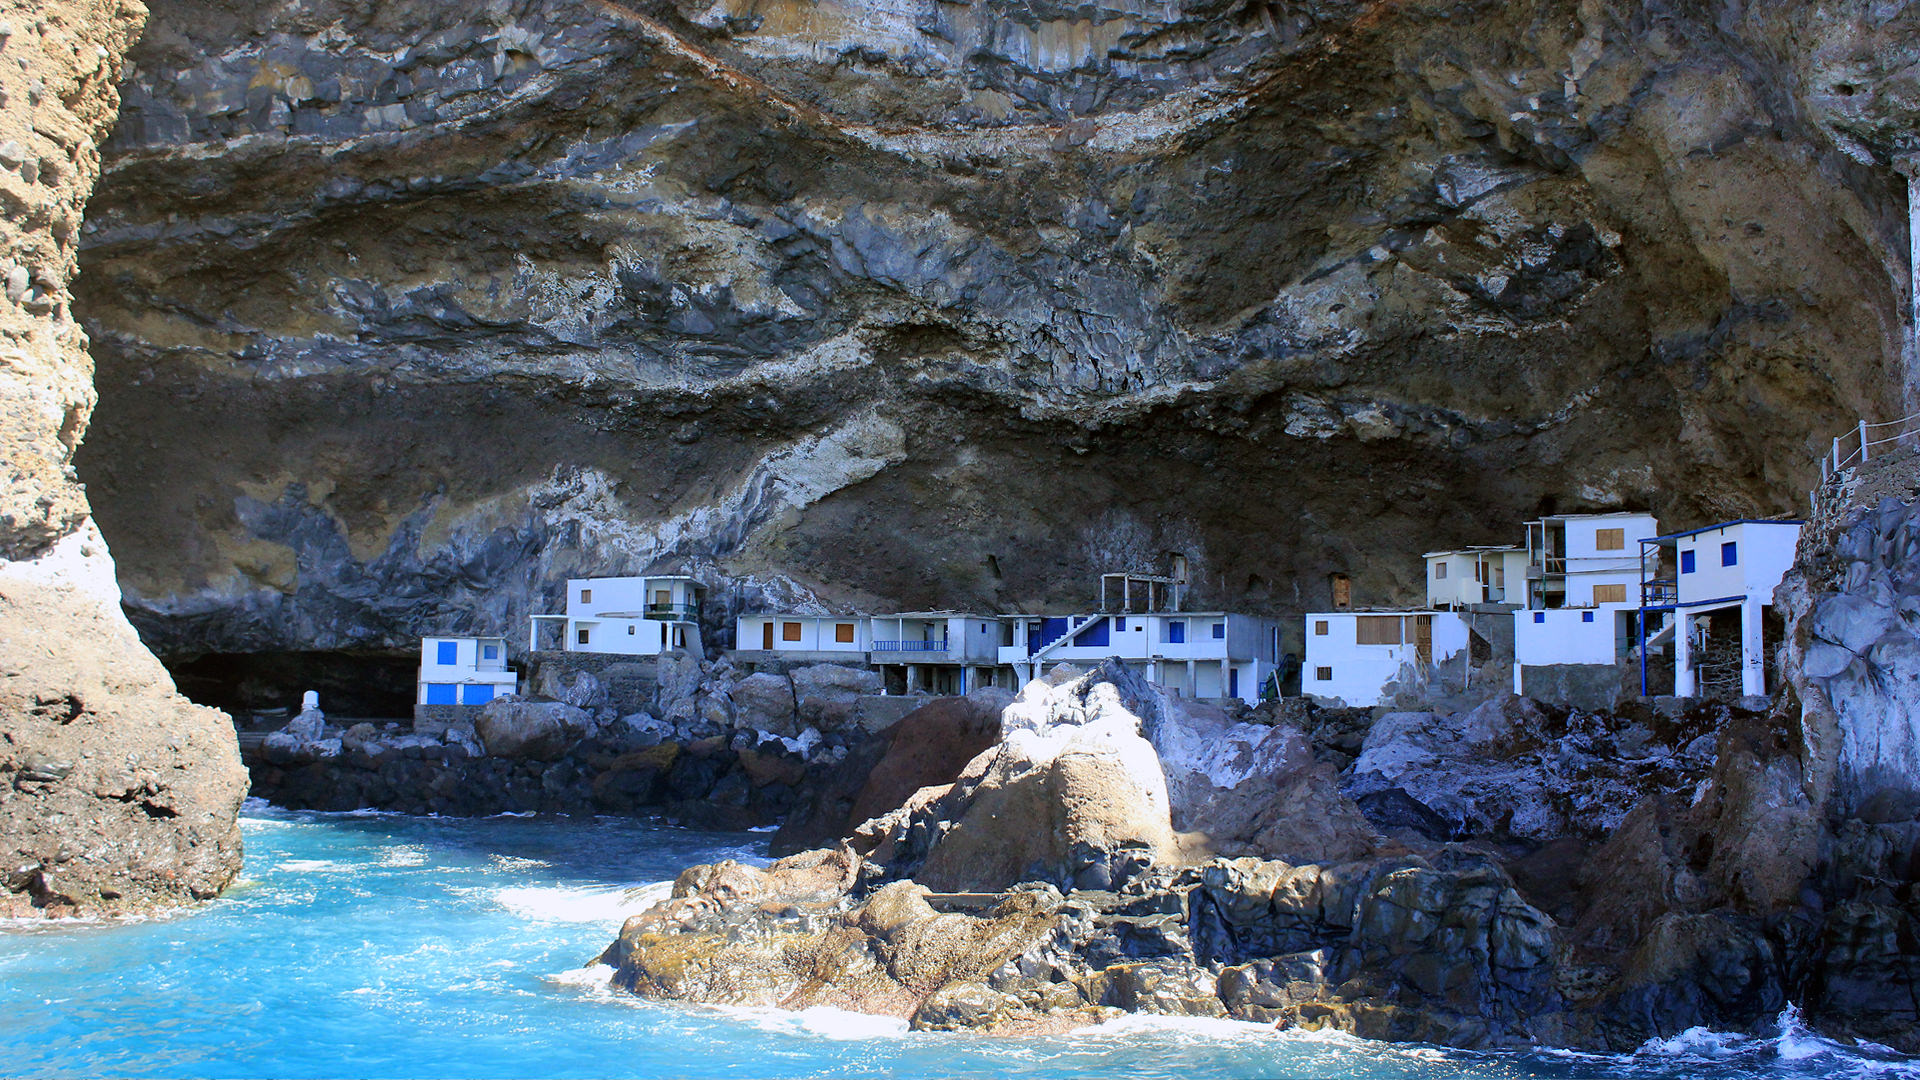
(623, 594)
(1588, 566)
(817, 633)
(624, 637)
(1360, 672)
(470, 666)
(1564, 636)
(1764, 551)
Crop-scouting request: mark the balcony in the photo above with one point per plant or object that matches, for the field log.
(1659, 592)
(911, 651)
(673, 612)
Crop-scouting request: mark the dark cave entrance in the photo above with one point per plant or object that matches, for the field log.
(360, 685)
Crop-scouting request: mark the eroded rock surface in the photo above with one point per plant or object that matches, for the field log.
(116, 794)
(406, 313)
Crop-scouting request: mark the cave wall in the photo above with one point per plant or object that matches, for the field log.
(404, 312)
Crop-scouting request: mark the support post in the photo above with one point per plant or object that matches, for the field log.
(1863, 442)
(1682, 654)
(1193, 679)
(1753, 653)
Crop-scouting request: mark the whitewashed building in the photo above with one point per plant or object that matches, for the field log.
(628, 616)
(830, 638)
(1354, 656)
(1468, 577)
(1731, 568)
(1586, 560)
(463, 671)
(1196, 654)
(940, 652)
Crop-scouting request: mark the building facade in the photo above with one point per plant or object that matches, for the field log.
(1358, 657)
(627, 616)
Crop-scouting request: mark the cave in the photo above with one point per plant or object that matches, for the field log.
(367, 685)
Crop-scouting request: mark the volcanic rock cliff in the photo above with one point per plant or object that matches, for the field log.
(115, 792)
(405, 311)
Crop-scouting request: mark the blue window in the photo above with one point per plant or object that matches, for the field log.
(1220, 631)
(1686, 562)
(491, 652)
(1539, 616)
(1120, 625)
(1729, 554)
(1586, 616)
(449, 653)
(1176, 631)
(440, 693)
(476, 693)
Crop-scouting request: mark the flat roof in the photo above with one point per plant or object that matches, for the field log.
(1474, 550)
(1723, 525)
(935, 615)
(1601, 514)
(641, 577)
(1379, 611)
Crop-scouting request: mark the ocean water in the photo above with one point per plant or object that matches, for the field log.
(374, 945)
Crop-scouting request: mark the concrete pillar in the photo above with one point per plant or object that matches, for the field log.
(1193, 679)
(1517, 680)
(1682, 654)
(1753, 652)
(913, 677)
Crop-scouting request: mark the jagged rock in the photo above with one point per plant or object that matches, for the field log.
(1072, 793)
(825, 694)
(512, 727)
(765, 702)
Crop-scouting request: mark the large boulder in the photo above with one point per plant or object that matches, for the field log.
(928, 747)
(1072, 794)
(765, 702)
(825, 694)
(513, 727)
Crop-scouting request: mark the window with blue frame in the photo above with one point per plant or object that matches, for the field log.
(449, 653)
(476, 693)
(440, 693)
(1539, 616)
(1686, 562)
(491, 652)
(1176, 632)
(1729, 554)
(1586, 616)
(1219, 630)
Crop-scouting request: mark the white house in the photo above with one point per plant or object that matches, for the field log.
(1586, 560)
(628, 616)
(1731, 567)
(1198, 654)
(463, 671)
(834, 637)
(941, 652)
(1476, 575)
(1353, 656)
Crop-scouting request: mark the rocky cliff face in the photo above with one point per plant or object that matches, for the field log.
(115, 793)
(405, 312)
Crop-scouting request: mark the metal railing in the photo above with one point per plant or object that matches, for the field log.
(929, 645)
(672, 612)
(1864, 437)
(1659, 592)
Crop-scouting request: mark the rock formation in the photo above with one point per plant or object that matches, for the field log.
(405, 313)
(116, 794)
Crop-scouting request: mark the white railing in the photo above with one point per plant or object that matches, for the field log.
(1864, 438)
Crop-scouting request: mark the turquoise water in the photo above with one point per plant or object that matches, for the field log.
(388, 946)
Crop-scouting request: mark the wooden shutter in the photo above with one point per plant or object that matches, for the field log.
(1610, 594)
(843, 633)
(1610, 540)
(1377, 630)
(790, 631)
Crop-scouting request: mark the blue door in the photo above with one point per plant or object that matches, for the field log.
(440, 693)
(1233, 682)
(476, 693)
(1176, 631)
